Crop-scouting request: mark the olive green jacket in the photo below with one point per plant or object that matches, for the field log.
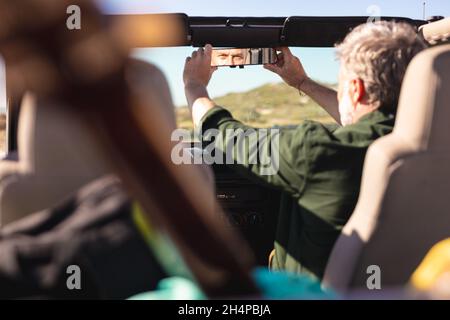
(319, 170)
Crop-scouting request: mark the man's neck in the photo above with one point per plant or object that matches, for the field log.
(363, 109)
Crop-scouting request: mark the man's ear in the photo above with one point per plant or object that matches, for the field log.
(357, 91)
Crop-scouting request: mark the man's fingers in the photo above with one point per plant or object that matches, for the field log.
(208, 50)
(208, 53)
(287, 54)
(286, 50)
(203, 52)
(280, 61)
(272, 67)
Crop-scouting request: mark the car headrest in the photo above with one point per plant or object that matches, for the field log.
(423, 111)
(436, 32)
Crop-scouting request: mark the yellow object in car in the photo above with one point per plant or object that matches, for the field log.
(435, 265)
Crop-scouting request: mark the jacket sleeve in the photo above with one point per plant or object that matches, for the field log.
(274, 156)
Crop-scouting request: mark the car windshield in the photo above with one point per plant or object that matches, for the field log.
(254, 95)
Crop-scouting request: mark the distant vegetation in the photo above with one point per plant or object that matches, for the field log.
(265, 106)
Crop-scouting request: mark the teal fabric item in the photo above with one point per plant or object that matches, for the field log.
(286, 285)
(273, 285)
(174, 288)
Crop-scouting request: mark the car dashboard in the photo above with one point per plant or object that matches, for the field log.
(250, 208)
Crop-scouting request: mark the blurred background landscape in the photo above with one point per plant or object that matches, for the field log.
(265, 106)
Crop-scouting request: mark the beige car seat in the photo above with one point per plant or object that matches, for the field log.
(56, 157)
(404, 203)
(436, 32)
(57, 154)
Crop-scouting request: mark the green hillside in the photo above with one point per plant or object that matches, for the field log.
(265, 106)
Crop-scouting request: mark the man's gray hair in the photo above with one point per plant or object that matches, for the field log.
(378, 53)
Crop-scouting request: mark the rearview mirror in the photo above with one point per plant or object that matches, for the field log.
(233, 57)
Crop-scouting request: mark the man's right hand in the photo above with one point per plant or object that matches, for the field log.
(197, 69)
(289, 68)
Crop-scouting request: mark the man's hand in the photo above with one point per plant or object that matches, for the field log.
(289, 68)
(197, 69)
(196, 76)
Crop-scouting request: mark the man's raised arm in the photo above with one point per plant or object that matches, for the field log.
(290, 69)
(196, 76)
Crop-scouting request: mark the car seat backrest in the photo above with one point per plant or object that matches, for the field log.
(57, 155)
(404, 199)
(436, 32)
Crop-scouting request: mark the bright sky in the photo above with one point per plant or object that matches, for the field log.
(319, 63)
(406, 8)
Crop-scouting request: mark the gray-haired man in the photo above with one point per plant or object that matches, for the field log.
(320, 168)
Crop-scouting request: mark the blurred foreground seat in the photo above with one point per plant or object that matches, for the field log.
(57, 156)
(404, 203)
(92, 231)
(57, 152)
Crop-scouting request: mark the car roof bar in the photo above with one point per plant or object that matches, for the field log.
(245, 32)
